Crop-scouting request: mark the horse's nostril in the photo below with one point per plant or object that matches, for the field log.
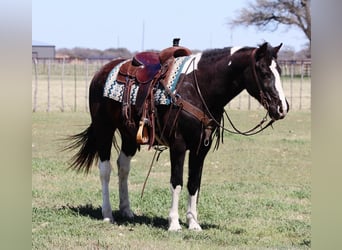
(280, 109)
(281, 112)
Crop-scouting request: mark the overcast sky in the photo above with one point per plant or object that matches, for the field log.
(139, 25)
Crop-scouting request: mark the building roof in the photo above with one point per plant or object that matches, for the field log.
(38, 43)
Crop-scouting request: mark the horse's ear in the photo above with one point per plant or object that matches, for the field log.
(261, 51)
(276, 49)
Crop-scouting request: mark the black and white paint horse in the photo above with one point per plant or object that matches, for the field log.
(213, 79)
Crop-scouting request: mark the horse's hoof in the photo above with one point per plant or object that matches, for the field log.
(193, 225)
(109, 220)
(174, 226)
(127, 213)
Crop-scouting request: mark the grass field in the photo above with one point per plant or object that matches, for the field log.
(256, 192)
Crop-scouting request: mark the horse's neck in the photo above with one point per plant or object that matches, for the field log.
(225, 84)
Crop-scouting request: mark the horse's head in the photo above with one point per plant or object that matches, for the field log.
(264, 81)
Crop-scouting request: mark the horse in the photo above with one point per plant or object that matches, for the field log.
(189, 123)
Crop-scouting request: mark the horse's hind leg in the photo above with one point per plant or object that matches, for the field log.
(128, 149)
(105, 136)
(104, 131)
(105, 170)
(124, 167)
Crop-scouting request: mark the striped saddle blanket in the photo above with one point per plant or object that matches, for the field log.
(114, 89)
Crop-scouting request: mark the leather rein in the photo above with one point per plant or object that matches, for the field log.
(255, 130)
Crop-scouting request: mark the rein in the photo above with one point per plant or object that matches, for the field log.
(252, 131)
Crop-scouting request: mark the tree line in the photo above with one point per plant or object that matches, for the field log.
(286, 53)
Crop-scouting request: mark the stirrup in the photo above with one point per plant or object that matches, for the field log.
(142, 134)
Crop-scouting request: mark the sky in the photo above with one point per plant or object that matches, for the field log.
(149, 24)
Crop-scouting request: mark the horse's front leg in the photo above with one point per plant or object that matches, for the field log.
(191, 214)
(194, 182)
(123, 164)
(177, 161)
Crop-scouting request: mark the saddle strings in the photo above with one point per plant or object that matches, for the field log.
(158, 150)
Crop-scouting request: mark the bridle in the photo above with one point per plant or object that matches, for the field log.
(263, 99)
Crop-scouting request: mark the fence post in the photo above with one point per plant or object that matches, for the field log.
(75, 86)
(48, 86)
(35, 85)
(301, 85)
(291, 82)
(86, 86)
(62, 85)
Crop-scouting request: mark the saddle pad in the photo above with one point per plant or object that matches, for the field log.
(115, 90)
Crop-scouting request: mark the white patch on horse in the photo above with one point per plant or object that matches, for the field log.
(191, 64)
(234, 49)
(191, 214)
(173, 215)
(105, 170)
(124, 167)
(278, 86)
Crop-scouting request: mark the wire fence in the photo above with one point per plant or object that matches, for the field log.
(63, 85)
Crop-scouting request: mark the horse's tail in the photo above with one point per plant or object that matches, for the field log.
(87, 153)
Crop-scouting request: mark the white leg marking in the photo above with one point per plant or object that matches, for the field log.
(173, 215)
(279, 86)
(105, 170)
(191, 214)
(123, 163)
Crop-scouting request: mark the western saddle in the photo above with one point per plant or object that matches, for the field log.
(146, 69)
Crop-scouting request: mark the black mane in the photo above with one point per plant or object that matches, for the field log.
(213, 55)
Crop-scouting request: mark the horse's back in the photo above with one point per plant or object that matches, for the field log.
(101, 75)
(97, 85)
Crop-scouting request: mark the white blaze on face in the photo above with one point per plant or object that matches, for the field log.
(278, 86)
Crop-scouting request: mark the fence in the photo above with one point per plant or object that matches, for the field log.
(63, 85)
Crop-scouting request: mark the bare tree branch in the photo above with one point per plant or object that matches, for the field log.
(268, 14)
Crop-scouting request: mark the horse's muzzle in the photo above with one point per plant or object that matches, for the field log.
(279, 112)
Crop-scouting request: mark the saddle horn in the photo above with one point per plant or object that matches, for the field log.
(175, 42)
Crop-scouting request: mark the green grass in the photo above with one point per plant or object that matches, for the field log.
(255, 193)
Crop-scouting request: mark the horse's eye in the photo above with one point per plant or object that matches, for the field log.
(265, 73)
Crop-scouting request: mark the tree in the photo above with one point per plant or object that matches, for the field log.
(268, 14)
